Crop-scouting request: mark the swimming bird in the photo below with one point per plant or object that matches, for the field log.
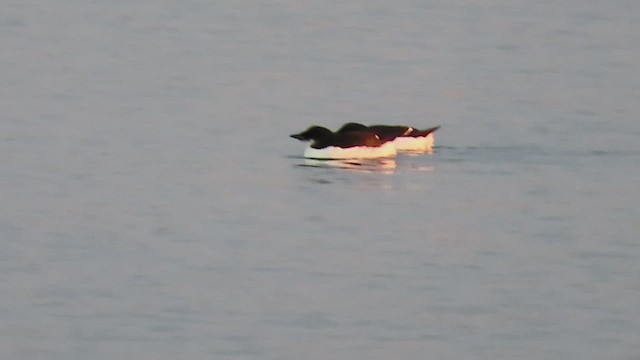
(404, 138)
(351, 144)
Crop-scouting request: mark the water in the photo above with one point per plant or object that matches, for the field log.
(153, 207)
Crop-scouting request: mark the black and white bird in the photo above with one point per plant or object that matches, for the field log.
(404, 138)
(356, 143)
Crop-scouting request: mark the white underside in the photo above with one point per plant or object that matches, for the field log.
(356, 152)
(422, 143)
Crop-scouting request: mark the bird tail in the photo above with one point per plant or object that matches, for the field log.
(425, 132)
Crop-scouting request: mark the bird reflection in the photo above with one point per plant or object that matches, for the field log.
(386, 165)
(413, 153)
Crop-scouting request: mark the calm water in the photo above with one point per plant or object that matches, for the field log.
(153, 207)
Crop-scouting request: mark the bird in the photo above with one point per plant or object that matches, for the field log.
(349, 144)
(404, 138)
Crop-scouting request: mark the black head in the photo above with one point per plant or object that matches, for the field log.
(352, 127)
(313, 133)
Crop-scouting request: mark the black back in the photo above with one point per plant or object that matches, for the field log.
(418, 133)
(385, 132)
(390, 132)
(322, 137)
(352, 126)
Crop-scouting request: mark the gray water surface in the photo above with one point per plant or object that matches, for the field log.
(152, 205)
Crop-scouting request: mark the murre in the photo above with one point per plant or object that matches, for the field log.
(404, 138)
(349, 144)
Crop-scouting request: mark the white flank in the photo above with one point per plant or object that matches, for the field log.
(406, 143)
(356, 152)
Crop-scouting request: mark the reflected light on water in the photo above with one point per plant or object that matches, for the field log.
(428, 151)
(386, 166)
